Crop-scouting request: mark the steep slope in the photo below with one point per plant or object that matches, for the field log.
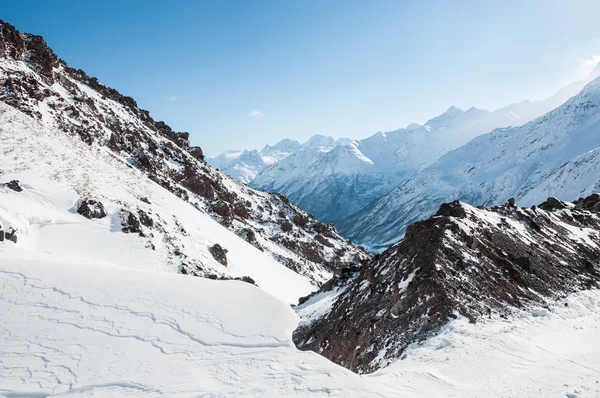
(463, 262)
(393, 157)
(331, 183)
(525, 162)
(39, 84)
(144, 226)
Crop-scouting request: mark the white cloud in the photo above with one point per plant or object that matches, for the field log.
(256, 114)
(587, 65)
(171, 98)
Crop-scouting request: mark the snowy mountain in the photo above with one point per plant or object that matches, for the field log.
(245, 165)
(322, 184)
(105, 212)
(464, 262)
(49, 94)
(553, 155)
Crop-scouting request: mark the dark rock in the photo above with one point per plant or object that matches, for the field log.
(130, 223)
(219, 253)
(197, 153)
(91, 208)
(248, 235)
(14, 185)
(453, 209)
(300, 220)
(590, 203)
(286, 226)
(11, 235)
(552, 204)
(511, 202)
(246, 279)
(525, 264)
(145, 200)
(145, 219)
(222, 208)
(406, 294)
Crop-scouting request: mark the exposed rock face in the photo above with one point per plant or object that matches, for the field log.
(91, 208)
(130, 223)
(14, 185)
(462, 262)
(33, 78)
(219, 253)
(11, 235)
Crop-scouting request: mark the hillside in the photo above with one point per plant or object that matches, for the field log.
(39, 84)
(464, 262)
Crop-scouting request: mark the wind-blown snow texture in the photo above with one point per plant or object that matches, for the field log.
(35, 81)
(74, 327)
(554, 155)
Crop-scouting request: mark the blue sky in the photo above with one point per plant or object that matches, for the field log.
(240, 74)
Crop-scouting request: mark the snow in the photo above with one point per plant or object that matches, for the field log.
(74, 329)
(403, 284)
(57, 173)
(547, 353)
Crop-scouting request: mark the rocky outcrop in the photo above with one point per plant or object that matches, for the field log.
(463, 261)
(33, 78)
(219, 253)
(14, 185)
(91, 208)
(130, 223)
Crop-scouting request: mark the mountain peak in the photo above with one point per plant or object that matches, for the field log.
(319, 140)
(285, 143)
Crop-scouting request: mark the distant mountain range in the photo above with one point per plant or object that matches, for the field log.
(556, 154)
(335, 179)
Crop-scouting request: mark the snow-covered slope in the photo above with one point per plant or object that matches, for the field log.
(36, 82)
(331, 183)
(316, 183)
(75, 328)
(555, 155)
(57, 171)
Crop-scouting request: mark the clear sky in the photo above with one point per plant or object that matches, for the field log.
(240, 74)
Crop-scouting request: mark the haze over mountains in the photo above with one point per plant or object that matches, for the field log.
(334, 179)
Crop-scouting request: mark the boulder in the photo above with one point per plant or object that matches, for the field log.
(219, 253)
(453, 209)
(552, 204)
(145, 219)
(11, 235)
(197, 153)
(91, 208)
(14, 185)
